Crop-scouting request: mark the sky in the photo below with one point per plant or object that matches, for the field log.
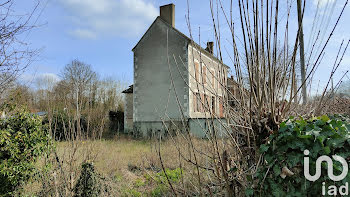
(103, 32)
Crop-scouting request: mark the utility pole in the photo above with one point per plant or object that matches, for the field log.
(302, 60)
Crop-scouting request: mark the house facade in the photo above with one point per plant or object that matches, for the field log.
(177, 83)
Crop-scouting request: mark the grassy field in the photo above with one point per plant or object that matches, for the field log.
(129, 167)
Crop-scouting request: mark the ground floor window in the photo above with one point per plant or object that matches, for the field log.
(197, 102)
(213, 104)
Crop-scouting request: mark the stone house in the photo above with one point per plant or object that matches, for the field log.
(177, 83)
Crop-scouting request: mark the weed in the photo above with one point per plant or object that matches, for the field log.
(117, 177)
(158, 191)
(173, 175)
(131, 192)
(139, 183)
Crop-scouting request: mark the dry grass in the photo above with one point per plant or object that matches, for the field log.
(129, 166)
(110, 156)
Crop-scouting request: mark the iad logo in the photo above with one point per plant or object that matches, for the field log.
(332, 189)
(329, 170)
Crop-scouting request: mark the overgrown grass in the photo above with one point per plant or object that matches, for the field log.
(130, 167)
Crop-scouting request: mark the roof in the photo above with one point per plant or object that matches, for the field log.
(41, 113)
(184, 36)
(231, 81)
(129, 90)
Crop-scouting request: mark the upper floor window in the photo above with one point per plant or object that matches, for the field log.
(221, 107)
(222, 78)
(204, 76)
(196, 72)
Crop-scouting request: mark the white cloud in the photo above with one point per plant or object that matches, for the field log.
(40, 81)
(122, 18)
(84, 33)
(49, 77)
(46, 81)
(322, 3)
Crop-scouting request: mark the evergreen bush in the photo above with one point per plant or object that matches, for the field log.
(284, 155)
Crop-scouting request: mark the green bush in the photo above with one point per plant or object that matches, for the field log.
(321, 136)
(88, 183)
(23, 139)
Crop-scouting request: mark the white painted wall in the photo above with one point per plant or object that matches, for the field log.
(154, 96)
(215, 90)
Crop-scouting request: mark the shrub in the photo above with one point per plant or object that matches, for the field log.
(88, 183)
(284, 150)
(23, 138)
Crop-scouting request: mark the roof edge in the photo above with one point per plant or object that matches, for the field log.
(130, 89)
(184, 36)
(207, 53)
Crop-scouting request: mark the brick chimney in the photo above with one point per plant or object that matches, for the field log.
(210, 47)
(167, 13)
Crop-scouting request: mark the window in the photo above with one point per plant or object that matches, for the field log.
(213, 104)
(196, 72)
(204, 76)
(207, 103)
(231, 98)
(231, 103)
(222, 77)
(225, 79)
(221, 107)
(197, 102)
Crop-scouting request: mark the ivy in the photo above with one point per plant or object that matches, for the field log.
(324, 135)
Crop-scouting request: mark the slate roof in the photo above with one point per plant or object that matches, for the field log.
(129, 90)
(184, 36)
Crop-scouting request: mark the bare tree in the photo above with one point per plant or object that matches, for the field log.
(80, 77)
(15, 55)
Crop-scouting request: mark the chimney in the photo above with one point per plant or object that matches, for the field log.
(167, 13)
(210, 47)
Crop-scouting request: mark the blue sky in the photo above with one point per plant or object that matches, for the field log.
(103, 32)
